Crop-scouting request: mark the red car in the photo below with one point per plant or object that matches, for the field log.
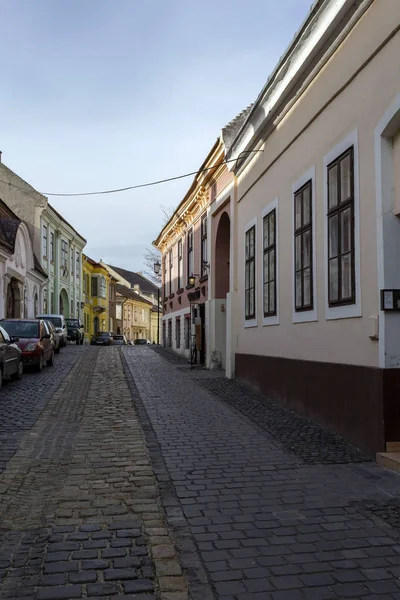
(34, 339)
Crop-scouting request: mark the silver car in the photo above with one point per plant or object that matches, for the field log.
(60, 325)
(119, 340)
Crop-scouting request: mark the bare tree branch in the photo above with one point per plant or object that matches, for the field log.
(151, 256)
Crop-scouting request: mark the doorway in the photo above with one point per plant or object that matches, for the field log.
(13, 310)
(219, 310)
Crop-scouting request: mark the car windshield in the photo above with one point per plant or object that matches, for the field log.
(21, 329)
(118, 337)
(72, 322)
(102, 334)
(55, 320)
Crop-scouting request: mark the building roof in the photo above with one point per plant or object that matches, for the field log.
(66, 222)
(144, 284)
(230, 130)
(126, 292)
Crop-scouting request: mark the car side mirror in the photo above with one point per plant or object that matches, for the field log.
(14, 340)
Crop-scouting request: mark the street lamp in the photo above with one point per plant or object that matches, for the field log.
(157, 267)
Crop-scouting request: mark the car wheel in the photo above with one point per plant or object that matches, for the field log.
(50, 362)
(18, 375)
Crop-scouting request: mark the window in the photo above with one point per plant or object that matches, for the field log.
(64, 254)
(72, 262)
(103, 287)
(178, 332)
(250, 282)
(180, 265)
(170, 333)
(45, 306)
(52, 306)
(72, 308)
(303, 276)
(77, 268)
(165, 277)
(170, 271)
(269, 264)
(190, 262)
(77, 309)
(203, 245)
(95, 282)
(36, 305)
(52, 247)
(341, 274)
(44, 240)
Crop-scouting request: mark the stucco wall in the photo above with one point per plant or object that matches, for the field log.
(358, 108)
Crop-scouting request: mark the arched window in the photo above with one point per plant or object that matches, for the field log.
(25, 304)
(45, 306)
(35, 305)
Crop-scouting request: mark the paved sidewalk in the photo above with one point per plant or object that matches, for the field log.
(80, 511)
(258, 514)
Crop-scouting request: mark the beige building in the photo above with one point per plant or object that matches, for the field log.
(316, 221)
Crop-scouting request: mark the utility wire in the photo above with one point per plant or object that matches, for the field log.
(141, 185)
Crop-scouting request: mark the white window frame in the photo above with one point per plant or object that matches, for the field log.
(347, 311)
(305, 316)
(274, 205)
(250, 322)
(45, 227)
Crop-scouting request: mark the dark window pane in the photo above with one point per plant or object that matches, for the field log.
(306, 205)
(272, 265)
(297, 243)
(307, 287)
(345, 230)
(265, 268)
(298, 290)
(345, 178)
(265, 233)
(272, 298)
(346, 291)
(332, 187)
(272, 228)
(307, 248)
(251, 265)
(333, 280)
(297, 201)
(333, 235)
(266, 297)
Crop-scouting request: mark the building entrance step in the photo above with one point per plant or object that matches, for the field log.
(390, 460)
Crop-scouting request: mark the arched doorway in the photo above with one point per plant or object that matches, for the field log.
(64, 305)
(13, 300)
(222, 246)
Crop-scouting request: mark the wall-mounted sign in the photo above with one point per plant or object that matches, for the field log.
(390, 300)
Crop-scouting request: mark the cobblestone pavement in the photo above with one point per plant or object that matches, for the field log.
(21, 402)
(258, 512)
(80, 512)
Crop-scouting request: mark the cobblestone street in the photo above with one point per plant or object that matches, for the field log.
(126, 475)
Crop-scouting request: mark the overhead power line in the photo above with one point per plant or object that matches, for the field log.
(140, 185)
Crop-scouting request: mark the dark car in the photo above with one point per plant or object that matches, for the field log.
(11, 366)
(140, 342)
(34, 339)
(75, 331)
(119, 340)
(101, 338)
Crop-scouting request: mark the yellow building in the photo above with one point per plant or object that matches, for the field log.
(96, 292)
(135, 313)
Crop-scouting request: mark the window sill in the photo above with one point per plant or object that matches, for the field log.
(203, 279)
(250, 323)
(171, 296)
(45, 257)
(190, 286)
(180, 291)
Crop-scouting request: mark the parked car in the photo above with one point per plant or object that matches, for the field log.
(119, 340)
(11, 366)
(34, 339)
(75, 331)
(55, 336)
(60, 325)
(101, 338)
(140, 342)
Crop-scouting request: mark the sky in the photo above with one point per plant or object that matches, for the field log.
(102, 94)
